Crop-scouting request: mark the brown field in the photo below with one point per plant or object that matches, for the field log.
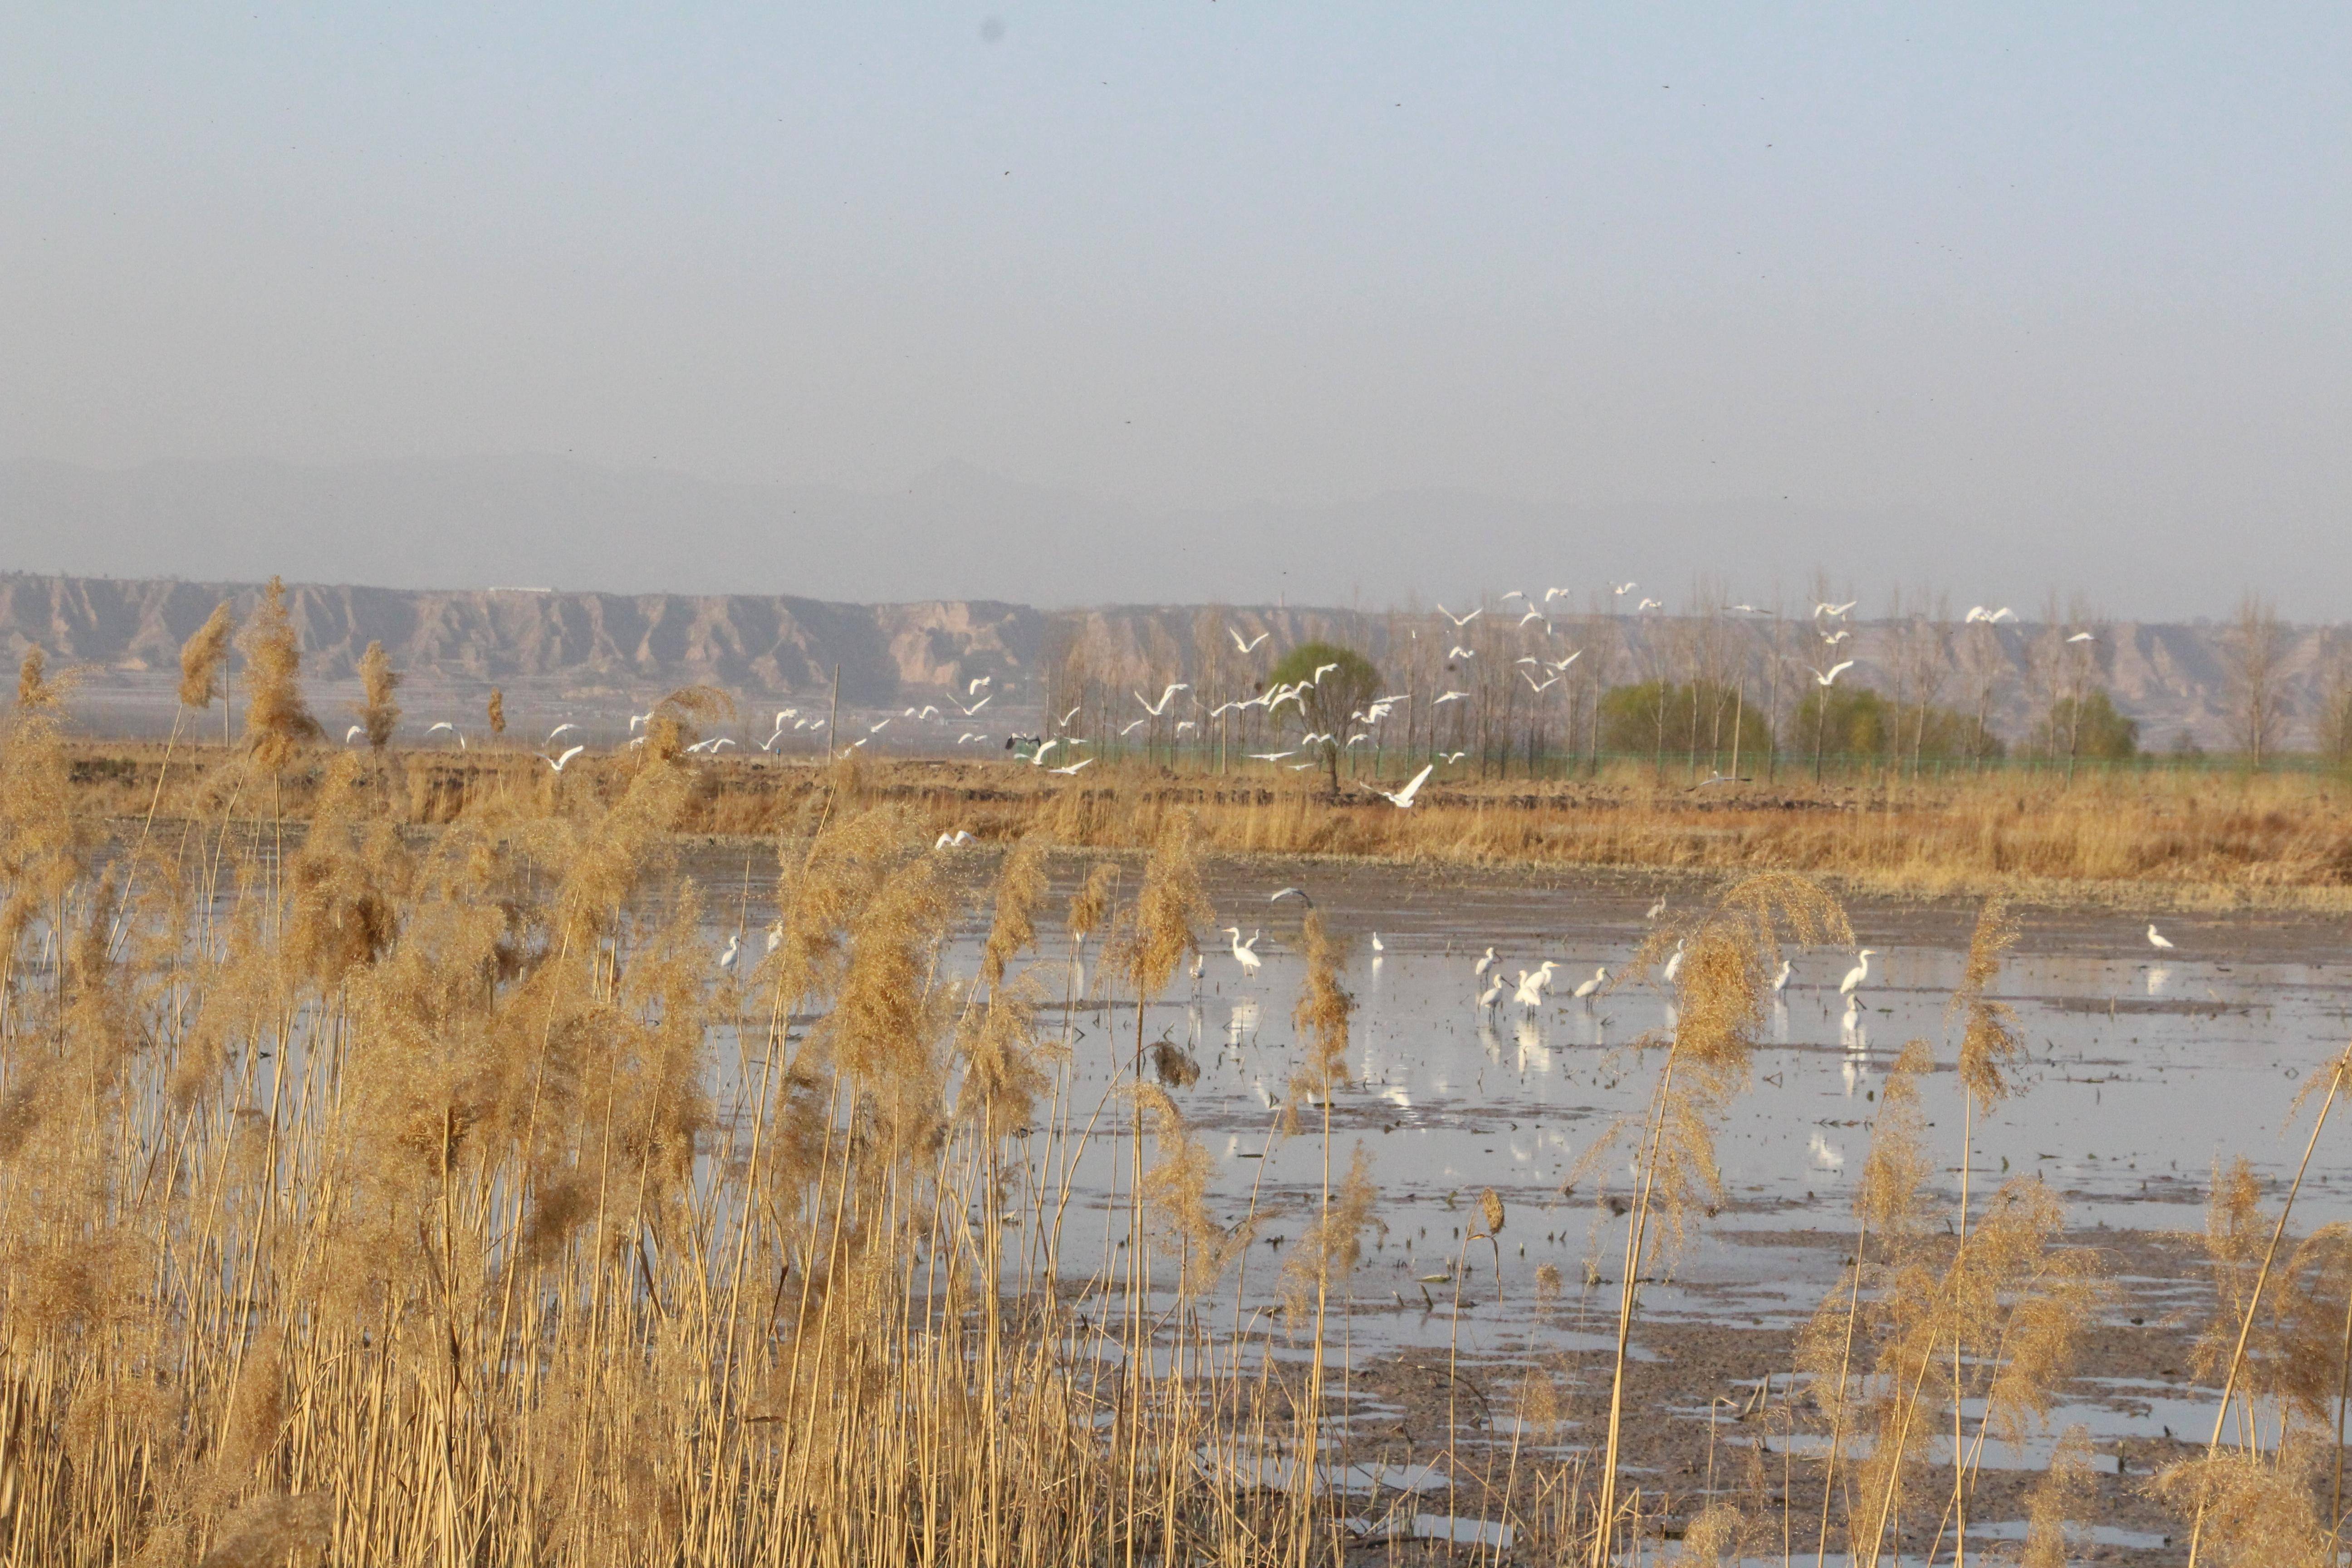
(2157, 839)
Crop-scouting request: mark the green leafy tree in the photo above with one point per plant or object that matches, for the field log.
(1336, 684)
(1658, 717)
(2088, 726)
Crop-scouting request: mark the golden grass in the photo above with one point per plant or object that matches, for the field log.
(2186, 839)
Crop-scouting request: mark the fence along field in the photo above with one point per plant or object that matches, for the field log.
(364, 1197)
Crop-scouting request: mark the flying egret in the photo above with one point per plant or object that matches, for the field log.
(1622, 589)
(1538, 691)
(1458, 651)
(1485, 964)
(1299, 894)
(453, 728)
(1839, 610)
(1551, 593)
(1445, 698)
(1064, 721)
(1156, 709)
(1649, 605)
(2083, 636)
(1600, 978)
(1037, 757)
(561, 729)
(1270, 756)
(1532, 614)
(1320, 671)
(877, 729)
(1829, 677)
(557, 762)
(1452, 757)
(1403, 799)
(1514, 593)
(976, 707)
(1132, 726)
(2158, 940)
(354, 733)
(977, 683)
(1461, 621)
(1842, 634)
(638, 721)
(1990, 617)
(1858, 974)
(1248, 959)
(1249, 646)
(1074, 767)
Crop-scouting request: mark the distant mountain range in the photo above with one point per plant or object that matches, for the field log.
(583, 653)
(960, 533)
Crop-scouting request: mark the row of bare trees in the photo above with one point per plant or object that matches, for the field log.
(1516, 685)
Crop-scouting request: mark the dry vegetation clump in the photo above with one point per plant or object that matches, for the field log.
(2191, 839)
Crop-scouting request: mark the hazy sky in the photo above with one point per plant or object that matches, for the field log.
(2073, 270)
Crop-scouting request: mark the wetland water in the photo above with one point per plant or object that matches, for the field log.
(2145, 1069)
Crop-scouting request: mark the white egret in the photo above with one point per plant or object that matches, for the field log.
(2083, 636)
(1858, 974)
(1243, 955)
(734, 949)
(1299, 894)
(1074, 767)
(955, 840)
(557, 762)
(453, 728)
(1485, 964)
(1839, 610)
(1531, 615)
(1649, 605)
(1829, 677)
(1403, 799)
(1449, 758)
(638, 721)
(1064, 721)
(1458, 651)
(1378, 946)
(1529, 993)
(1780, 981)
(877, 729)
(1656, 910)
(1445, 697)
(1493, 994)
(1600, 977)
(1269, 756)
(561, 729)
(976, 707)
(775, 933)
(1551, 593)
(1538, 691)
(1842, 634)
(1991, 617)
(2158, 940)
(1460, 621)
(1132, 726)
(1157, 709)
(354, 733)
(1674, 960)
(1622, 589)
(1249, 646)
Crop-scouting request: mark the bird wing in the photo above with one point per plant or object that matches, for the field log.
(1404, 797)
(567, 756)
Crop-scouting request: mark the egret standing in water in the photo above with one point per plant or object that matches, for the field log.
(1780, 981)
(1484, 964)
(1248, 959)
(1492, 995)
(1674, 962)
(734, 950)
(2158, 940)
(1600, 978)
(1858, 974)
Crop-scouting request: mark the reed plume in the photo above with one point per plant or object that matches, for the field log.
(378, 712)
(278, 722)
(203, 657)
(497, 711)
